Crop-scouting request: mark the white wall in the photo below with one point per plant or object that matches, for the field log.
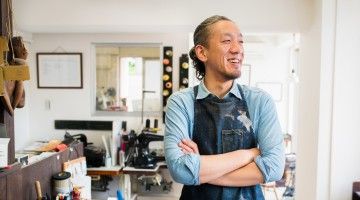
(307, 133)
(326, 98)
(21, 122)
(156, 15)
(345, 157)
(328, 158)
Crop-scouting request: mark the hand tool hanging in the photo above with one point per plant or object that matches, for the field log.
(13, 74)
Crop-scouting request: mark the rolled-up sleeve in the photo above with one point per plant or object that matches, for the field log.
(271, 162)
(184, 168)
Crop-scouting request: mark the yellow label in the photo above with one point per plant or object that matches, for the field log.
(1, 82)
(2, 61)
(16, 72)
(3, 44)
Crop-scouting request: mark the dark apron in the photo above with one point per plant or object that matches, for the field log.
(220, 126)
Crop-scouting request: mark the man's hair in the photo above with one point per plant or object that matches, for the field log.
(201, 37)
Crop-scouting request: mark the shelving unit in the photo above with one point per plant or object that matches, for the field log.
(183, 71)
(167, 75)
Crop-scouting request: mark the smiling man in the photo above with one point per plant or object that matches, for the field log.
(222, 139)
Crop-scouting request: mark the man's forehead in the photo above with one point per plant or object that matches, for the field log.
(232, 34)
(227, 27)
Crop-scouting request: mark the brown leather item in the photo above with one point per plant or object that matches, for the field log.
(6, 99)
(19, 95)
(14, 94)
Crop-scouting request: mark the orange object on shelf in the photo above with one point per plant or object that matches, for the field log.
(61, 147)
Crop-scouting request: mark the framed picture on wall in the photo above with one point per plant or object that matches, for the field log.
(273, 88)
(59, 70)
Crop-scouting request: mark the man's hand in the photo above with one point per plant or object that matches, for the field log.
(188, 146)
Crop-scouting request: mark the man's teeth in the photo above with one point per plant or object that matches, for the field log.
(234, 60)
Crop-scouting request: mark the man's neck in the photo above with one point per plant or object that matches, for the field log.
(218, 88)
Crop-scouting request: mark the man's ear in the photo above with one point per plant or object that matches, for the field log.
(201, 52)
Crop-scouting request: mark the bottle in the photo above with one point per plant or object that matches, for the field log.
(122, 145)
(147, 124)
(156, 126)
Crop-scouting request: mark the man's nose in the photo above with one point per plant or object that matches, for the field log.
(237, 47)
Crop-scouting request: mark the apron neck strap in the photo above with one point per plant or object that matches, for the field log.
(196, 89)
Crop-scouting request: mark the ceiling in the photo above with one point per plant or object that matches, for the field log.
(144, 16)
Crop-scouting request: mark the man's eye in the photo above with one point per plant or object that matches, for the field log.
(226, 41)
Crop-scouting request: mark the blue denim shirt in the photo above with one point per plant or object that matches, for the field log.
(179, 121)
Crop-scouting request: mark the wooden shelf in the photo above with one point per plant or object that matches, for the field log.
(132, 170)
(13, 168)
(108, 171)
(117, 170)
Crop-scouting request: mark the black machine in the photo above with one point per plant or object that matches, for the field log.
(138, 154)
(95, 156)
(154, 184)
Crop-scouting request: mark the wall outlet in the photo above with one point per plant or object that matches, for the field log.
(47, 104)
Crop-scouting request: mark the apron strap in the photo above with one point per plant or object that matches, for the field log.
(243, 98)
(196, 89)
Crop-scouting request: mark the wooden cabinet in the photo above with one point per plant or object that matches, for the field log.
(19, 183)
(10, 183)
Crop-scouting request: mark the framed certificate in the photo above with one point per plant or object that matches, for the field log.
(59, 70)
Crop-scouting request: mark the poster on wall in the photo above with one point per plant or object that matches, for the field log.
(59, 70)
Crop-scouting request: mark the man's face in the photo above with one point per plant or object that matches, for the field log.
(224, 53)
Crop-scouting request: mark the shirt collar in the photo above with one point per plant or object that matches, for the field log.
(203, 92)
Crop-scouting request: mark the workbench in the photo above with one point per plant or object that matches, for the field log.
(124, 174)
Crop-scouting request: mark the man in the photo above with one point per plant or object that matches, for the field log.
(213, 130)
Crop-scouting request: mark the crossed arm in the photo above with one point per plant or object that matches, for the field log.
(235, 168)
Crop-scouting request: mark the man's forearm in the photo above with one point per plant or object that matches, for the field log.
(245, 176)
(215, 166)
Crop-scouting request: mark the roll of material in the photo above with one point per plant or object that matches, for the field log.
(62, 183)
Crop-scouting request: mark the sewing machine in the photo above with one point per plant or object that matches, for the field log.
(137, 152)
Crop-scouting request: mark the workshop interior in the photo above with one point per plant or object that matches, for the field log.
(84, 87)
